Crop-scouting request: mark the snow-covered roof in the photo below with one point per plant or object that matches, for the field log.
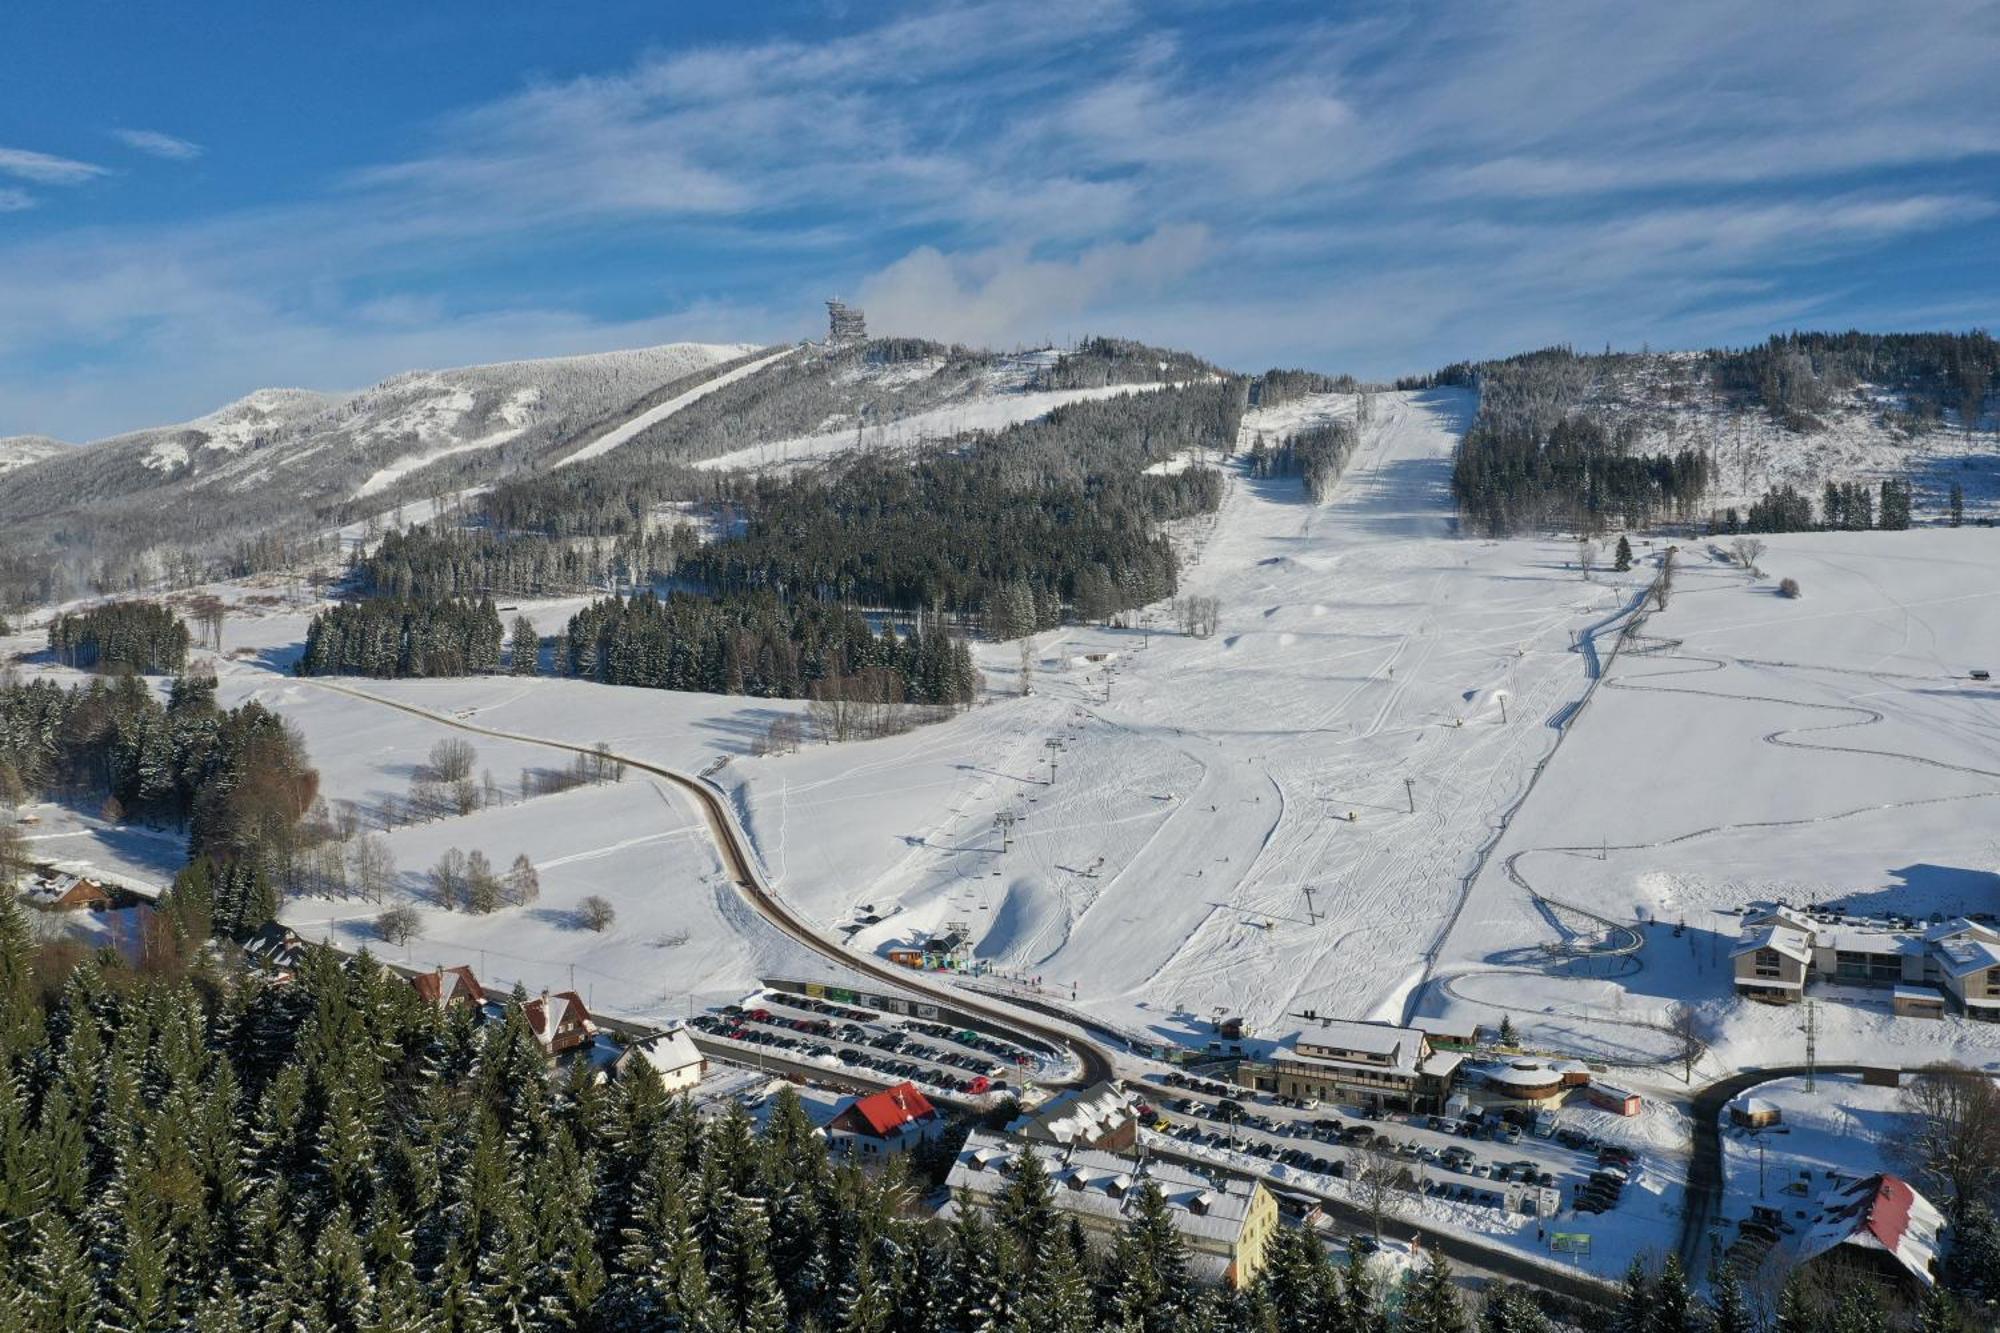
(1377, 1046)
(1520, 1073)
(1880, 1212)
(550, 1015)
(1791, 941)
(1107, 1185)
(1905, 990)
(447, 984)
(1870, 939)
(886, 1113)
(1963, 954)
(669, 1052)
(1083, 1115)
(1781, 914)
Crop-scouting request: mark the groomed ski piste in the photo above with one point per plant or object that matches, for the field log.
(1595, 793)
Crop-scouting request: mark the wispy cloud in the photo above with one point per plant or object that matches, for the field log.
(1380, 192)
(155, 143)
(15, 201)
(45, 168)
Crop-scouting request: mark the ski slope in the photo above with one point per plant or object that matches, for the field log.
(629, 429)
(1204, 785)
(990, 411)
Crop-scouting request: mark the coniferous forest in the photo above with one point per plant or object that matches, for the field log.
(182, 1148)
(757, 645)
(133, 636)
(389, 637)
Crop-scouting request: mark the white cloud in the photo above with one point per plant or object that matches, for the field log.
(158, 144)
(45, 168)
(1379, 194)
(1005, 295)
(15, 201)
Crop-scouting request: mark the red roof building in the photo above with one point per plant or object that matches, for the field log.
(448, 986)
(1878, 1226)
(883, 1124)
(559, 1021)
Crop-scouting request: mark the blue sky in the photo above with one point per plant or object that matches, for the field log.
(199, 200)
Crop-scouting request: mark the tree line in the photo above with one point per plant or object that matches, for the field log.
(132, 635)
(1795, 376)
(1846, 506)
(755, 644)
(396, 637)
(1317, 455)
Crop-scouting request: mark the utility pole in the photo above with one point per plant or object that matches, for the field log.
(1410, 793)
(1312, 918)
(1503, 710)
(1811, 1028)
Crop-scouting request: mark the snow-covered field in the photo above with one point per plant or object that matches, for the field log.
(1747, 746)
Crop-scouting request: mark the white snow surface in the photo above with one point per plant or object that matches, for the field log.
(1165, 872)
(991, 410)
(21, 450)
(1750, 747)
(652, 416)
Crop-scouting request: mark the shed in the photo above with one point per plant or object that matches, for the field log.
(1754, 1113)
(1909, 1000)
(1616, 1100)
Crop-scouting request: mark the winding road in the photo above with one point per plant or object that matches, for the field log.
(741, 865)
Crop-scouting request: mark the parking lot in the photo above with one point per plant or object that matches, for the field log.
(1486, 1162)
(957, 1062)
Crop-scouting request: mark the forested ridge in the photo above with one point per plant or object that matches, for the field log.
(1014, 529)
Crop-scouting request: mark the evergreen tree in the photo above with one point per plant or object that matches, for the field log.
(1510, 1309)
(1673, 1303)
(1794, 1314)
(1635, 1302)
(1957, 505)
(1939, 1314)
(1731, 1314)
(1430, 1301)
(1623, 561)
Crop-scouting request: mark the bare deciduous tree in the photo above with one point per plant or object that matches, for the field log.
(447, 879)
(451, 759)
(399, 925)
(1748, 551)
(1956, 1146)
(482, 886)
(524, 884)
(1198, 616)
(1689, 1037)
(373, 866)
(1586, 556)
(595, 913)
(1376, 1175)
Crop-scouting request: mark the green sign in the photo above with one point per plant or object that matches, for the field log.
(1570, 1242)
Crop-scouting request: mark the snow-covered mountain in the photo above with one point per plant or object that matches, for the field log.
(21, 450)
(280, 458)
